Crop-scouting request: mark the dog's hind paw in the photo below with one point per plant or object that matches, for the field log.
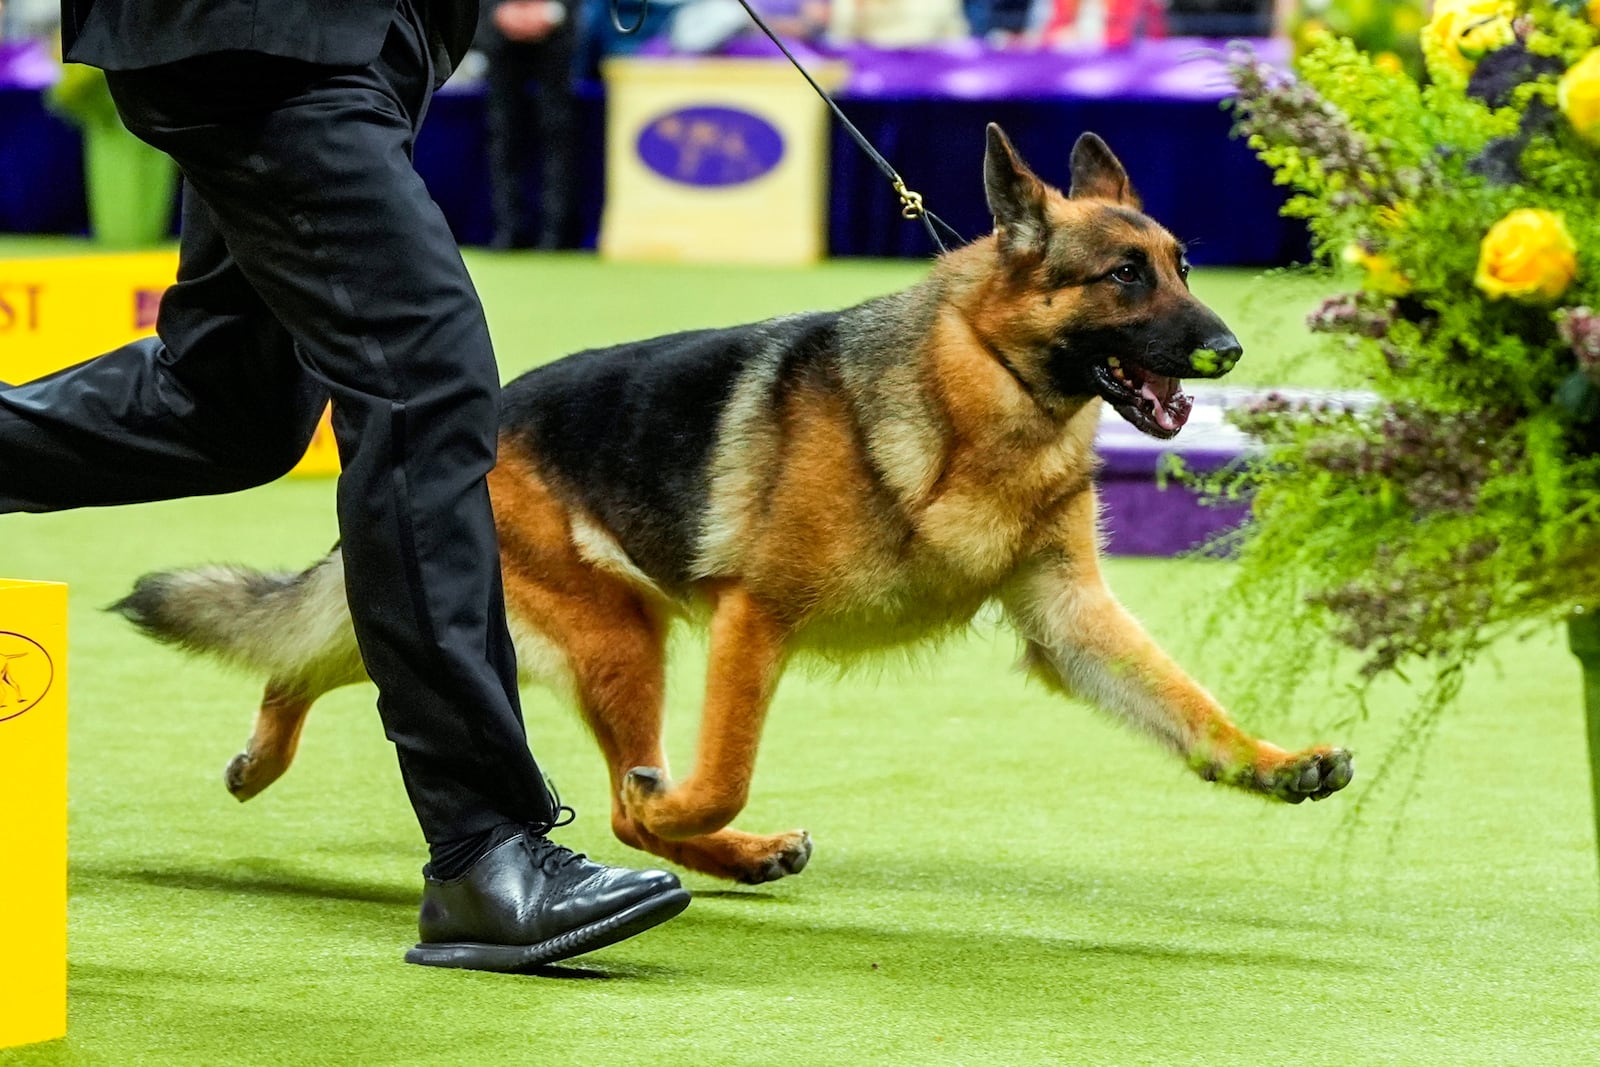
(1310, 775)
(251, 771)
(244, 777)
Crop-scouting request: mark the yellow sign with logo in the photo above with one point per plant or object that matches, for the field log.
(715, 161)
(33, 796)
(59, 311)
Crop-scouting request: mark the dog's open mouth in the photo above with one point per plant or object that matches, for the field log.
(1155, 403)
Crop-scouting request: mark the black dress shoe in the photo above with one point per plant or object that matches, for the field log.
(529, 902)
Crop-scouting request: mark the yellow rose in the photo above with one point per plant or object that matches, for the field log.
(1578, 95)
(1312, 32)
(1382, 276)
(1527, 256)
(1462, 32)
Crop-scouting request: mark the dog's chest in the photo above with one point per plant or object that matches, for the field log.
(994, 506)
(983, 520)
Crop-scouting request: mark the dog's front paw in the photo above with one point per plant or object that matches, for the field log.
(1310, 775)
(791, 855)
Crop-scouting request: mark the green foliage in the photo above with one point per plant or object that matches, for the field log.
(1463, 501)
(1386, 28)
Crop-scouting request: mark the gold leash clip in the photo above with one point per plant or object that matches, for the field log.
(910, 202)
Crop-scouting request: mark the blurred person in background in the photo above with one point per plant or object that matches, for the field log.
(22, 20)
(896, 23)
(703, 26)
(1111, 23)
(1098, 23)
(1000, 21)
(531, 45)
(598, 36)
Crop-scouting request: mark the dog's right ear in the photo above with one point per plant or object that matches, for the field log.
(1016, 195)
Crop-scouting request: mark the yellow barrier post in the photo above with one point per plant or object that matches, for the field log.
(33, 800)
(58, 311)
(715, 161)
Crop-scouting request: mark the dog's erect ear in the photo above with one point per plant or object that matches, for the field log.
(1097, 173)
(1016, 195)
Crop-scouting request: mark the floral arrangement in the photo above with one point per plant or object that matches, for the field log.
(1464, 501)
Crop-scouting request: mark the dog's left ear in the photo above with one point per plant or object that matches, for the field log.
(1016, 195)
(1097, 173)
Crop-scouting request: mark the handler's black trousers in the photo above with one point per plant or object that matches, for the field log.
(314, 264)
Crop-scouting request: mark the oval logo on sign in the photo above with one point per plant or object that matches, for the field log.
(26, 671)
(710, 146)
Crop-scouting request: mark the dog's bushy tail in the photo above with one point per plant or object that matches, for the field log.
(284, 625)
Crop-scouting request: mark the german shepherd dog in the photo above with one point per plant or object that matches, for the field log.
(832, 482)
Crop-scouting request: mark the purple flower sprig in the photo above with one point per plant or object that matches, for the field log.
(1402, 612)
(1351, 313)
(1579, 327)
(1274, 109)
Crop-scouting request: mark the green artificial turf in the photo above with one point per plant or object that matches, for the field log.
(1000, 877)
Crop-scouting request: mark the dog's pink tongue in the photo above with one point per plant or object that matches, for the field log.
(1158, 389)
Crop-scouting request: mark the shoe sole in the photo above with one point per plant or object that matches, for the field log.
(520, 959)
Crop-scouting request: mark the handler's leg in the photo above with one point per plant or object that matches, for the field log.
(307, 171)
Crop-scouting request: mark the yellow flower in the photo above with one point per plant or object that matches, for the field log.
(1578, 95)
(1391, 63)
(1593, 11)
(1314, 31)
(1382, 276)
(1527, 256)
(1462, 32)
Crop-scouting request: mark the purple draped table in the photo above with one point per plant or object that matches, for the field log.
(1178, 68)
(27, 65)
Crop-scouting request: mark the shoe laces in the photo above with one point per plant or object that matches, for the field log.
(545, 852)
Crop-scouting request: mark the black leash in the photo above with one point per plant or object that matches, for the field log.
(911, 206)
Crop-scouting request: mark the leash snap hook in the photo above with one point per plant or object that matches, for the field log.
(910, 200)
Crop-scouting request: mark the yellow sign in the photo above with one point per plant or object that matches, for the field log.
(715, 161)
(33, 796)
(60, 311)
(56, 312)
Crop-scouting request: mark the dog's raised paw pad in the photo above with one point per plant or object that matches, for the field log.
(1340, 772)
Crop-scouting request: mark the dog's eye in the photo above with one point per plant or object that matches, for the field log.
(1127, 274)
(1183, 271)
